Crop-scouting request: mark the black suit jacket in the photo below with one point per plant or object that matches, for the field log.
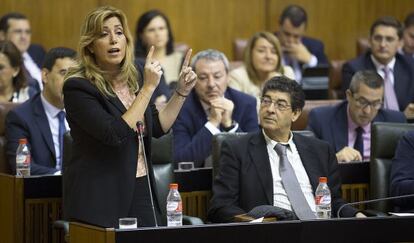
(37, 53)
(99, 181)
(244, 180)
(403, 76)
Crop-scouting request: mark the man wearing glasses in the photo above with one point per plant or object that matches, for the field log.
(347, 126)
(396, 69)
(275, 170)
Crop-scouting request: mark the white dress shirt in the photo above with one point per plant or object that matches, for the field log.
(380, 68)
(280, 198)
(52, 117)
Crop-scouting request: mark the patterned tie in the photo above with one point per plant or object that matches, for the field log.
(62, 129)
(390, 99)
(359, 142)
(290, 183)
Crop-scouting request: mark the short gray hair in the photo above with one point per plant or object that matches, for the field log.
(212, 55)
(368, 77)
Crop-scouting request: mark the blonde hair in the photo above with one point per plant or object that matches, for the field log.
(248, 57)
(86, 65)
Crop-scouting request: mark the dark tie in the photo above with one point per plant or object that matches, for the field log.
(62, 129)
(290, 183)
(359, 141)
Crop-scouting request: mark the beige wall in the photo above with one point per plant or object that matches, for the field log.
(215, 23)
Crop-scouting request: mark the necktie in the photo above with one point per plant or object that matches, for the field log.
(359, 142)
(62, 129)
(291, 185)
(390, 99)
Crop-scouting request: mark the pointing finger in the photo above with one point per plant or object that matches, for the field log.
(187, 58)
(149, 56)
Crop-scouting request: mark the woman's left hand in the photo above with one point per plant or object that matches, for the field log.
(187, 78)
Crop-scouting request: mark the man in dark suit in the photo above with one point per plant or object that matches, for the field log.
(402, 173)
(299, 51)
(212, 107)
(396, 69)
(41, 119)
(15, 27)
(343, 125)
(408, 37)
(253, 171)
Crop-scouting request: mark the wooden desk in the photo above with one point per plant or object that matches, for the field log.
(28, 207)
(387, 229)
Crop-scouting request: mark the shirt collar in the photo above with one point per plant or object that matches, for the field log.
(380, 66)
(50, 109)
(272, 143)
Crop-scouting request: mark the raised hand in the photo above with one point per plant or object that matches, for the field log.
(187, 78)
(152, 71)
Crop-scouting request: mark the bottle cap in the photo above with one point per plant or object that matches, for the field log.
(23, 141)
(173, 186)
(323, 179)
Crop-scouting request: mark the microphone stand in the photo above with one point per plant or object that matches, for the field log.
(140, 127)
(373, 201)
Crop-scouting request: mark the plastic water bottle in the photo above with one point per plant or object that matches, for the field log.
(23, 158)
(174, 207)
(323, 199)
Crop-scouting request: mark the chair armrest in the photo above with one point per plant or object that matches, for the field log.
(374, 213)
(62, 224)
(190, 220)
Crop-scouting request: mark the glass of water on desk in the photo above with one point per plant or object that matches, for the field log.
(127, 223)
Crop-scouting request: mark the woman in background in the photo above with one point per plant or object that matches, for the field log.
(153, 29)
(106, 178)
(13, 83)
(262, 61)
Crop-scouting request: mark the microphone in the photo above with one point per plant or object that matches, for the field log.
(373, 201)
(140, 127)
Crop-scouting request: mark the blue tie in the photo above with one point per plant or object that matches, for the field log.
(62, 129)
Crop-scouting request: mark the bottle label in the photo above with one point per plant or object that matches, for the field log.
(23, 159)
(326, 199)
(175, 206)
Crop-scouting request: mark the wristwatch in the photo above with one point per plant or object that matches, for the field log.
(233, 125)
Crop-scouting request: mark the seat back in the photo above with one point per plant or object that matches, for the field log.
(362, 45)
(335, 79)
(239, 45)
(5, 107)
(384, 140)
(302, 121)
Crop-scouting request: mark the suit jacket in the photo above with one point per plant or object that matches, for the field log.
(37, 53)
(403, 76)
(99, 181)
(29, 120)
(192, 140)
(315, 47)
(245, 180)
(402, 173)
(330, 123)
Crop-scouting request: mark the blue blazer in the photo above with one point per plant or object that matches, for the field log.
(403, 76)
(37, 53)
(29, 120)
(330, 123)
(192, 140)
(402, 173)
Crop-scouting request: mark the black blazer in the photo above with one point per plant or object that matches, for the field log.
(99, 181)
(403, 76)
(245, 179)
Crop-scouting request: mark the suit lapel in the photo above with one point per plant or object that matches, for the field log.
(260, 158)
(339, 128)
(117, 103)
(309, 161)
(43, 124)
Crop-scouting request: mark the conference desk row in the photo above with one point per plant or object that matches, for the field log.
(29, 206)
(389, 229)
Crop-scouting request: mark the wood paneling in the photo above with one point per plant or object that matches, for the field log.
(216, 23)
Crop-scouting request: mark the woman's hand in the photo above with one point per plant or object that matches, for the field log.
(187, 78)
(152, 71)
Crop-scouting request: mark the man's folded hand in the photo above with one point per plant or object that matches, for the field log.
(271, 211)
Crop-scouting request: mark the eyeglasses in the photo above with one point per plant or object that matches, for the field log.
(281, 105)
(364, 103)
(379, 39)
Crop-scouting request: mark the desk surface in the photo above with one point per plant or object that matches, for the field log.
(334, 230)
